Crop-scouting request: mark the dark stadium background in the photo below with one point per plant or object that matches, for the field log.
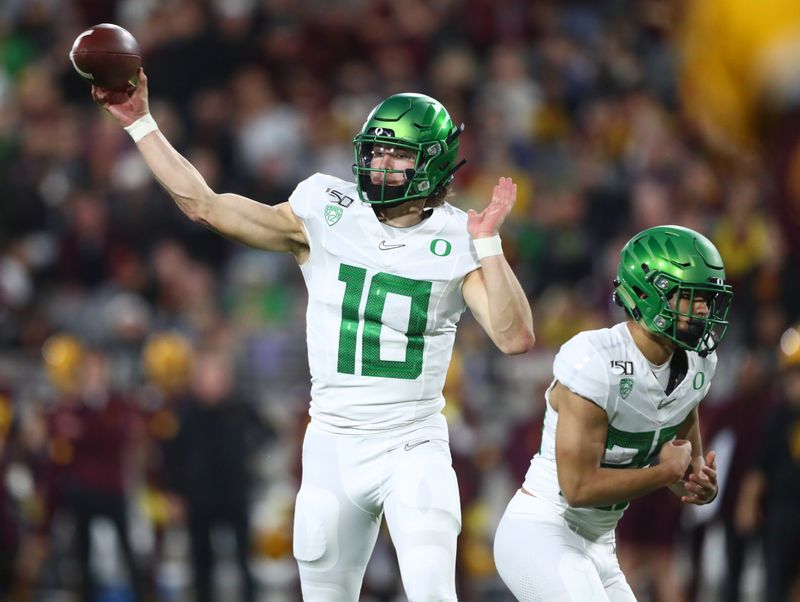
(611, 117)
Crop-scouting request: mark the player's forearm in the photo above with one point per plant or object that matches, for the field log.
(509, 311)
(607, 486)
(178, 177)
(690, 431)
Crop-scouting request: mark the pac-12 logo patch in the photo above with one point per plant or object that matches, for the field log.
(625, 387)
(332, 214)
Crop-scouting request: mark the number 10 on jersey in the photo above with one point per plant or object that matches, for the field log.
(381, 284)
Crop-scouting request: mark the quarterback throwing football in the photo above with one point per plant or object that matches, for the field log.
(620, 421)
(390, 267)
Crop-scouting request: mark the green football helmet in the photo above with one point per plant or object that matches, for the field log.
(671, 262)
(418, 124)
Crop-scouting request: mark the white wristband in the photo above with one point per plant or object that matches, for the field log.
(141, 127)
(486, 247)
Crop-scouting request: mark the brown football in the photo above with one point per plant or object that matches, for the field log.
(106, 55)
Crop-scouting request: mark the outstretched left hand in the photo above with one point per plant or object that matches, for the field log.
(701, 487)
(487, 223)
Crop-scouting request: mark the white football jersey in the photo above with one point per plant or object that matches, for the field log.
(606, 367)
(383, 304)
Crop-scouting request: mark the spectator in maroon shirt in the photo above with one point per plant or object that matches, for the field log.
(91, 439)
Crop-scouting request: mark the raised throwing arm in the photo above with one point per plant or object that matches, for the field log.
(234, 216)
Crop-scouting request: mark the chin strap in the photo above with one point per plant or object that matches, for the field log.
(710, 347)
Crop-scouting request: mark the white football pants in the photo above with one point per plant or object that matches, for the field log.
(349, 482)
(540, 559)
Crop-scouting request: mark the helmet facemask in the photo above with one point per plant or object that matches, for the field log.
(702, 333)
(385, 192)
(418, 125)
(662, 272)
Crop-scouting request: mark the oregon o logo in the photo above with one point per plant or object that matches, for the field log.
(699, 380)
(440, 247)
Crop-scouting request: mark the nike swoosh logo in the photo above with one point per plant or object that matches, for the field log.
(410, 446)
(384, 246)
(664, 404)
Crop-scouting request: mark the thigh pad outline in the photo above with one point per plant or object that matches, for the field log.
(315, 526)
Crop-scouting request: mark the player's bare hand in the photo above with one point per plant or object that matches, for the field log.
(675, 456)
(487, 223)
(701, 486)
(125, 105)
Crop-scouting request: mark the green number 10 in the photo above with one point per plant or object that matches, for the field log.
(381, 284)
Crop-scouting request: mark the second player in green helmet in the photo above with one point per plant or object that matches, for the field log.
(662, 265)
(420, 128)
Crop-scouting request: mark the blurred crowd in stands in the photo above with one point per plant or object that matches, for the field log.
(154, 374)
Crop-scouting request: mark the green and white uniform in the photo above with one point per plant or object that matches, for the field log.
(383, 304)
(606, 367)
(548, 550)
